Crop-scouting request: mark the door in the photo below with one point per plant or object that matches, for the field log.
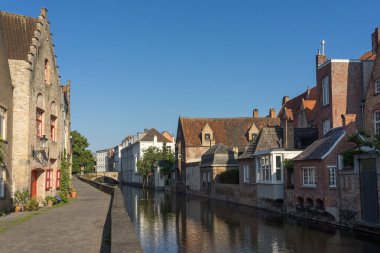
(34, 184)
(368, 187)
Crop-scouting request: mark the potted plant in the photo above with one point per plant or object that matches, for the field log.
(21, 199)
(50, 201)
(73, 192)
(32, 205)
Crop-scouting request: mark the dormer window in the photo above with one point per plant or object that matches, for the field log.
(253, 136)
(207, 137)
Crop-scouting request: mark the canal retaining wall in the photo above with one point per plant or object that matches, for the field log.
(121, 230)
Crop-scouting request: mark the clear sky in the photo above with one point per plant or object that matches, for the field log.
(141, 64)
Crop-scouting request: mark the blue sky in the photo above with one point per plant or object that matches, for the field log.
(140, 64)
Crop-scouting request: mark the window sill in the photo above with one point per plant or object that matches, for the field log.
(309, 187)
(332, 187)
(325, 106)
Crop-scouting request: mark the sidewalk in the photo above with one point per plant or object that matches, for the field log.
(75, 227)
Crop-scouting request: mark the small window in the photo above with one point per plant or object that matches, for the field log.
(246, 172)
(376, 119)
(377, 86)
(278, 169)
(53, 120)
(332, 176)
(309, 177)
(47, 72)
(207, 137)
(3, 123)
(325, 91)
(39, 115)
(326, 126)
(254, 136)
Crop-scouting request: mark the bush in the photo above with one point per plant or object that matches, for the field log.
(21, 198)
(348, 157)
(32, 205)
(63, 196)
(229, 177)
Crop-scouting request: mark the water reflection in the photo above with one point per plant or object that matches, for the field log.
(167, 222)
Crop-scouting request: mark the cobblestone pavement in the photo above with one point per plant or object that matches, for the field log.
(75, 227)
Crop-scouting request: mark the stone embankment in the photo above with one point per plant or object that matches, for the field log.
(119, 232)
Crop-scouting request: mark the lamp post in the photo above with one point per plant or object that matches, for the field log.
(43, 142)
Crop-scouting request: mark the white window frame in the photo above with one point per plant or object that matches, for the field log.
(376, 122)
(246, 173)
(278, 169)
(265, 168)
(3, 123)
(325, 91)
(332, 175)
(326, 127)
(377, 86)
(310, 174)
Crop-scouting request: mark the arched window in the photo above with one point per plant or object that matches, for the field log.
(53, 122)
(47, 72)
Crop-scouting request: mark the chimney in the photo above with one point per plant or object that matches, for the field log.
(375, 40)
(255, 113)
(349, 123)
(272, 113)
(285, 99)
(288, 133)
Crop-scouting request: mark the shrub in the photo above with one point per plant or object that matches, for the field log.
(32, 205)
(21, 198)
(348, 157)
(63, 196)
(229, 177)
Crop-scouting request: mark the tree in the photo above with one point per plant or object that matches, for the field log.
(152, 158)
(81, 155)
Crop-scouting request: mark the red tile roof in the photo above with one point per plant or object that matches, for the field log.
(18, 32)
(309, 106)
(368, 56)
(232, 132)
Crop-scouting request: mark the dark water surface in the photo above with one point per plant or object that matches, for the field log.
(169, 222)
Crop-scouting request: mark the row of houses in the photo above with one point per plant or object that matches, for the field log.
(123, 157)
(34, 109)
(317, 157)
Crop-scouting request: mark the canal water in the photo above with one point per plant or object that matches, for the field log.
(169, 222)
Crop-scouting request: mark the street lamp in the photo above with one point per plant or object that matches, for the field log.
(43, 142)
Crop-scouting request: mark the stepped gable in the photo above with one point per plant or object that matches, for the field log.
(18, 34)
(232, 132)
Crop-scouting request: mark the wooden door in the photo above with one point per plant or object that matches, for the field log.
(369, 198)
(34, 184)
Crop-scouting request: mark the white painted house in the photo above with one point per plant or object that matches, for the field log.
(134, 151)
(101, 160)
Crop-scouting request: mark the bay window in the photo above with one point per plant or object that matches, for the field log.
(264, 166)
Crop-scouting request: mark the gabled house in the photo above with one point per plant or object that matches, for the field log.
(196, 135)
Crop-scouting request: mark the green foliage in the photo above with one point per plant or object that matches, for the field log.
(81, 155)
(229, 177)
(21, 198)
(154, 157)
(348, 157)
(51, 198)
(65, 176)
(32, 205)
(288, 164)
(63, 196)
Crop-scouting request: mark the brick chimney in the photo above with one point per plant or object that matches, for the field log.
(288, 133)
(255, 113)
(349, 123)
(285, 99)
(272, 113)
(320, 58)
(375, 40)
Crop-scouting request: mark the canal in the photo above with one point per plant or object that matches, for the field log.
(169, 222)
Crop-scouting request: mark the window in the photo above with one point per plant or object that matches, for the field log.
(58, 180)
(325, 91)
(47, 72)
(204, 182)
(3, 114)
(377, 86)
(253, 136)
(207, 137)
(246, 172)
(208, 179)
(309, 177)
(39, 123)
(48, 179)
(326, 126)
(52, 128)
(332, 176)
(265, 168)
(278, 168)
(2, 192)
(376, 119)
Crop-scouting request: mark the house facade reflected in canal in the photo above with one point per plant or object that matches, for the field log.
(169, 222)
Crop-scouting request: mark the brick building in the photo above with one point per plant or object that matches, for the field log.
(6, 118)
(196, 135)
(41, 106)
